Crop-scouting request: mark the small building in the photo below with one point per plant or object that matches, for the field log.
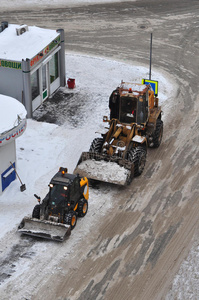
(12, 125)
(32, 63)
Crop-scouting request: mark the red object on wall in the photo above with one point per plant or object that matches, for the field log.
(71, 83)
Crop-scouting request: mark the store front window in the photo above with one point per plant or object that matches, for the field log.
(44, 84)
(35, 84)
(53, 68)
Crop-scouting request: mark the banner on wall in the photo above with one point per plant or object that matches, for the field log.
(12, 134)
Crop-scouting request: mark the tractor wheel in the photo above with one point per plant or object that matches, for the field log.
(130, 176)
(138, 157)
(82, 207)
(157, 135)
(129, 179)
(71, 219)
(96, 145)
(36, 212)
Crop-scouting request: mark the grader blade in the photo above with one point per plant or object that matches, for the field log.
(103, 168)
(44, 229)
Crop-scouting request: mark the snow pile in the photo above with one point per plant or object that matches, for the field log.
(104, 171)
(11, 112)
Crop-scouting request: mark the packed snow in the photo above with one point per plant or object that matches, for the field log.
(53, 3)
(104, 171)
(11, 112)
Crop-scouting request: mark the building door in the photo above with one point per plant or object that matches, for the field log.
(35, 89)
(54, 73)
(39, 86)
(45, 79)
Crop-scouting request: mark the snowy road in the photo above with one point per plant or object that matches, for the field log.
(134, 248)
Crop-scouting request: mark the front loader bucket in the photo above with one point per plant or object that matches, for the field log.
(103, 168)
(44, 229)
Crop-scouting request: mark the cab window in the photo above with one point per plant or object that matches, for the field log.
(75, 190)
(128, 110)
(58, 194)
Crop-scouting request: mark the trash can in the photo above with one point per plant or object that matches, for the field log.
(71, 83)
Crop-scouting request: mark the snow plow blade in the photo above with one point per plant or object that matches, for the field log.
(104, 168)
(44, 229)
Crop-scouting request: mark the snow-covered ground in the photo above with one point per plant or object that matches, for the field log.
(43, 148)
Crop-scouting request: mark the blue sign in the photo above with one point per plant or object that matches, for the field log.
(153, 83)
(7, 177)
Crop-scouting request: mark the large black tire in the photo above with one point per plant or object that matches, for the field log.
(82, 207)
(36, 212)
(157, 135)
(96, 145)
(71, 219)
(138, 157)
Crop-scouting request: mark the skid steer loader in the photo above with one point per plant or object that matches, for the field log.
(56, 215)
(120, 153)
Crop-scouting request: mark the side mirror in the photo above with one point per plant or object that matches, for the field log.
(38, 198)
(105, 119)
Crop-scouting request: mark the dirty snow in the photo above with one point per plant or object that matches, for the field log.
(32, 3)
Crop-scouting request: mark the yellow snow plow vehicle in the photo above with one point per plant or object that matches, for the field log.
(120, 153)
(56, 215)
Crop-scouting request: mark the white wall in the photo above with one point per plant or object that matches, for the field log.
(7, 154)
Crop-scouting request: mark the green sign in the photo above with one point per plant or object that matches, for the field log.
(10, 64)
(45, 94)
(54, 43)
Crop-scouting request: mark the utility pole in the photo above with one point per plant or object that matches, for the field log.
(150, 58)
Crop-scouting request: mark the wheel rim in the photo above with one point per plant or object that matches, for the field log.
(84, 208)
(73, 221)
